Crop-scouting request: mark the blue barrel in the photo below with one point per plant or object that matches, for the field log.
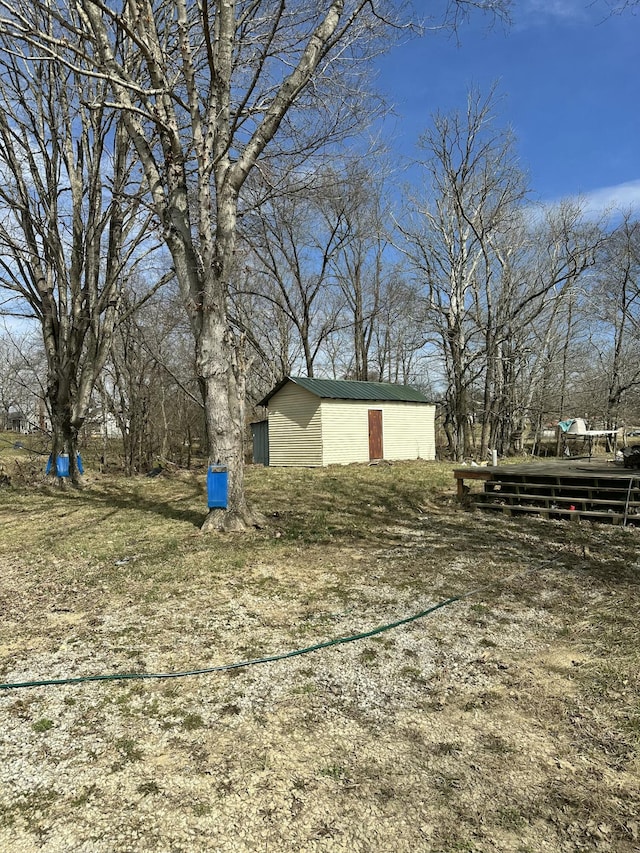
(62, 465)
(79, 464)
(217, 486)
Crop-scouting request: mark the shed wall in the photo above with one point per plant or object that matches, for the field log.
(295, 428)
(408, 431)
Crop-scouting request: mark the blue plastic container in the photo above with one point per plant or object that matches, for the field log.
(217, 486)
(62, 465)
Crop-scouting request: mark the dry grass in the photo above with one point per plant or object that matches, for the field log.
(508, 721)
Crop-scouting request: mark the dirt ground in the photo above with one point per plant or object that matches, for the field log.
(508, 720)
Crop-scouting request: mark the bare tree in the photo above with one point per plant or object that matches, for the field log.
(539, 262)
(400, 347)
(615, 301)
(21, 364)
(71, 225)
(316, 269)
(272, 339)
(493, 269)
(203, 90)
(148, 385)
(360, 265)
(294, 242)
(473, 186)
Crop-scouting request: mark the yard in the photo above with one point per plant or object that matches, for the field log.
(508, 720)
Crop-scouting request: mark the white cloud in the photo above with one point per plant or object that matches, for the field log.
(605, 202)
(542, 11)
(623, 197)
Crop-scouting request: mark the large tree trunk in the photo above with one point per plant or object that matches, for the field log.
(221, 371)
(222, 383)
(64, 429)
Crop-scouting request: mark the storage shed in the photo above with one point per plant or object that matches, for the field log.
(316, 422)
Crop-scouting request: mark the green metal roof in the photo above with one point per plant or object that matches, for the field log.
(349, 389)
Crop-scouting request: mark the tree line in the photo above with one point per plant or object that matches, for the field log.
(192, 210)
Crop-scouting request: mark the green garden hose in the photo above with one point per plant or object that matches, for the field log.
(129, 676)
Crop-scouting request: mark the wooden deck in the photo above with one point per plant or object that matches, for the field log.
(576, 489)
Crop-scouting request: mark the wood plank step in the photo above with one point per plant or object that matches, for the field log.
(508, 509)
(600, 492)
(565, 499)
(578, 487)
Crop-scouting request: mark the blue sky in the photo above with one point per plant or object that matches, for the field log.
(568, 73)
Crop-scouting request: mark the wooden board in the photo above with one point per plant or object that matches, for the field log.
(562, 489)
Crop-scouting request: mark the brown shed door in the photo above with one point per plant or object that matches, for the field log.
(375, 434)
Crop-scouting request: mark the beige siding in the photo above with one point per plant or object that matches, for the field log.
(345, 431)
(295, 434)
(408, 431)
